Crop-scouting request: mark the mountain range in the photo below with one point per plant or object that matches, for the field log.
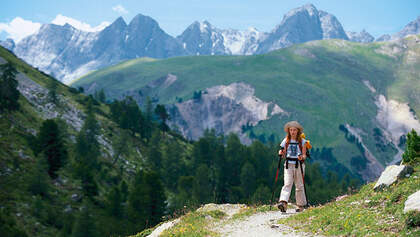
(356, 100)
(68, 53)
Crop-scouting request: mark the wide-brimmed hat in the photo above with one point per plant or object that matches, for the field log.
(293, 124)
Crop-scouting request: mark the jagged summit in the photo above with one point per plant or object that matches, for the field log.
(361, 37)
(411, 28)
(143, 37)
(119, 23)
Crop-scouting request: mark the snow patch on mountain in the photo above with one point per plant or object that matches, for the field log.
(239, 42)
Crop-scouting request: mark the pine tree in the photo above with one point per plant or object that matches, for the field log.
(101, 96)
(138, 201)
(154, 151)
(114, 203)
(235, 157)
(85, 223)
(119, 144)
(37, 179)
(171, 164)
(148, 125)
(157, 198)
(160, 111)
(202, 189)
(9, 95)
(51, 143)
(52, 91)
(412, 150)
(87, 153)
(248, 179)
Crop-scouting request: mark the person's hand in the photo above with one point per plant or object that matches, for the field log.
(302, 157)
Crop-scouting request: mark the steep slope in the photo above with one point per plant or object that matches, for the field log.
(31, 202)
(305, 81)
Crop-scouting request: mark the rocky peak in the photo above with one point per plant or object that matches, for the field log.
(201, 38)
(142, 21)
(384, 37)
(331, 27)
(298, 25)
(118, 25)
(361, 37)
(412, 28)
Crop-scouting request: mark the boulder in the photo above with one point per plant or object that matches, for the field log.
(391, 174)
(413, 202)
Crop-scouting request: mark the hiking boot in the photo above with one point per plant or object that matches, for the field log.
(300, 209)
(282, 206)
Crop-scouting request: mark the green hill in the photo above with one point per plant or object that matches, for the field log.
(71, 165)
(323, 84)
(90, 186)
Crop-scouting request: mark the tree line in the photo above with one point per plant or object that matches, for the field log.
(175, 174)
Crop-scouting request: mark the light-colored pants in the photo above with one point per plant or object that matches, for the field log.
(293, 175)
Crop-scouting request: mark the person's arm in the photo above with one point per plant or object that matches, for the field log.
(282, 151)
(303, 156)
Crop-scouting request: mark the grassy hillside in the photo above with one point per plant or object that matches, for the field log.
(33, 204)
(72, 166)
(365, 213)
(320, 83)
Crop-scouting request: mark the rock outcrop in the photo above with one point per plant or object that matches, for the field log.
(223, 108)
(391, 174)
(413, 202)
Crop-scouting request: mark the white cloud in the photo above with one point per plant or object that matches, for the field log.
(62, 20)
(120, 9)
(19, 28)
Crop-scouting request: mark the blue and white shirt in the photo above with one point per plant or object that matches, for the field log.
(293, 150)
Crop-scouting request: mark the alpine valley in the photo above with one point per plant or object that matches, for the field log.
(110, 133)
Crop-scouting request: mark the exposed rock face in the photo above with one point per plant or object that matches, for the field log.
(396, 119)
(331, 27)
(382, 38)
(38, 97)
(412, 28)
(361, 37)
(201, 38)
(68, 53)
(413, 202)
(223, 108)
(8, 44)
(301, 25)
(391, 174)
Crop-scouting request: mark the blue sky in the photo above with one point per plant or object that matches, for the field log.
(19, 17)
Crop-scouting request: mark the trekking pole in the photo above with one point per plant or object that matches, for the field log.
(275, 181)
(304, 186)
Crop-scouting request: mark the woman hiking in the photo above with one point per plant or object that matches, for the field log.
(294, 150)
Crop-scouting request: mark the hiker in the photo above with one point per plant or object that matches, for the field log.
(293, 148)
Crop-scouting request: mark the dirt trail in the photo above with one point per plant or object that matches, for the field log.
(256, 225)
(259, 224)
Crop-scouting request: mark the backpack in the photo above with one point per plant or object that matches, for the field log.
(307, 145)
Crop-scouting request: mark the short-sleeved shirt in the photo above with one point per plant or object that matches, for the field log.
(293, 150)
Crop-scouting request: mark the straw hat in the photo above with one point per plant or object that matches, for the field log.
(293, 124)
